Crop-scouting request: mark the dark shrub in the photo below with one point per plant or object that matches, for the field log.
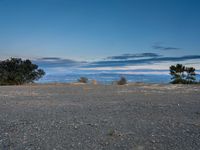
(122, 81)
(15, 71)
(83, 80)
(182, 75)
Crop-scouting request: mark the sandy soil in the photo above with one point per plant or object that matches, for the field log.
(95, 117)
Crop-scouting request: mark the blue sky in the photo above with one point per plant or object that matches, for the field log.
(96, 31)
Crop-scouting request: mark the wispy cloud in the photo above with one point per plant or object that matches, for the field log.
(164, 48)
(57, 62)
(133, 56)
(142, 61)
(50, 58)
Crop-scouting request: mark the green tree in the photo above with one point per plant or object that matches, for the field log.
(15, 71)
(191, 75)
(182, 75)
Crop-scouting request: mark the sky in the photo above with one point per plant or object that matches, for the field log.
(101, 34)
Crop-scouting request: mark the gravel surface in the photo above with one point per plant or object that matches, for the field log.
(95, 117)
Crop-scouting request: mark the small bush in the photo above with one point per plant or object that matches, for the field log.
(83, 80)
(94, 82)
(122, 81)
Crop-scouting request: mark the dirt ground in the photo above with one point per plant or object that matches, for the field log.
(95, 117)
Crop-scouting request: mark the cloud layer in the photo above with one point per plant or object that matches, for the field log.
(133, 56)
(143, 61)
(127, 63)
(57, 62)
(164, 48)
